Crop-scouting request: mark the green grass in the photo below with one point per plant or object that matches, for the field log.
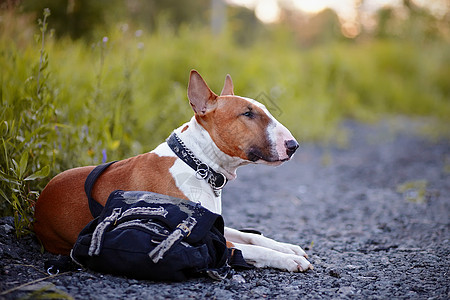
(123, 95)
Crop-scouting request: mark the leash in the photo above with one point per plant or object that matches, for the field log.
(215, 179)
(95, 207)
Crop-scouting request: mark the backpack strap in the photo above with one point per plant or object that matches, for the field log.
(95, 207)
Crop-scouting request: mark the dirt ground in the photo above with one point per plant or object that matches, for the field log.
(374, 217)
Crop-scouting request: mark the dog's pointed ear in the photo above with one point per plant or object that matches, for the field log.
(227, 86)
(200, 96)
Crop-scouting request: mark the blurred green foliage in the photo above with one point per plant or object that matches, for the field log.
(69, 102)
(76, 18)
(27, 117)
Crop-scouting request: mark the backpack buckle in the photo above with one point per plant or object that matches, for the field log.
(186, 226)
(183, 230)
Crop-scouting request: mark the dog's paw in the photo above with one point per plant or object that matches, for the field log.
(277, 246)
(303, 264)
(291, 263)
(262, 257)
(297, 250)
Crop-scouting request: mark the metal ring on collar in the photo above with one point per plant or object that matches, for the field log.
(221, 185)
(202, 171)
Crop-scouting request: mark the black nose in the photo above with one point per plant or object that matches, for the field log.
(291, 147)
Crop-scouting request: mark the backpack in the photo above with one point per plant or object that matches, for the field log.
(145, 235)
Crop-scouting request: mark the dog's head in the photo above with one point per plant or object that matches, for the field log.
(240, 126)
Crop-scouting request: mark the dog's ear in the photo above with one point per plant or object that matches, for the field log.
(227, 86)
(200, 96)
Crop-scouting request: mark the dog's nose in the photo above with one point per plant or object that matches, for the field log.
(291, 147)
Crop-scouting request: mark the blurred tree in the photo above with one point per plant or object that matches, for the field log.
(218, 16)
(75, 18)
(385, 18)
(15, 24)
(325, 27)
(80, 18)
(173, 12)
(421, 25)
(244, 25)
(411, 22)
(320, 28)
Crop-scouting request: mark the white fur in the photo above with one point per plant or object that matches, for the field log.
(198, 140)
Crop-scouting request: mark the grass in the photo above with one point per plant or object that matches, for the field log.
(67, 103)
(414, 191)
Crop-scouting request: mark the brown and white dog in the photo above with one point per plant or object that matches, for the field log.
(226, 132)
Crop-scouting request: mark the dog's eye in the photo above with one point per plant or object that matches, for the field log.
(249, 114)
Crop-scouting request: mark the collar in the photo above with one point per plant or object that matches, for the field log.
(202, 171)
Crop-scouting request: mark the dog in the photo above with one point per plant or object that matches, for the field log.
(197, 160)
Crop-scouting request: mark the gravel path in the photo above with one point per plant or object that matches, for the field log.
(374, 218)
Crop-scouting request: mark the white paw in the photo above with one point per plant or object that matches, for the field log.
(295, 249)
(262, 257)
(277, 246)
(287, 262)
(298, 264)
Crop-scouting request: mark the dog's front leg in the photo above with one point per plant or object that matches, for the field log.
(254, 246)
(236, 236)
(262, 257)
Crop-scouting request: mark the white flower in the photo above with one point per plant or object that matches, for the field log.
(124, 27)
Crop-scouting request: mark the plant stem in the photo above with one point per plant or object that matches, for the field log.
(43, 30)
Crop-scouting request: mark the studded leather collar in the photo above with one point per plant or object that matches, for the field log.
(215, 179)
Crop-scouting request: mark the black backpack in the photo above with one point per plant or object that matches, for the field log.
(146, 235)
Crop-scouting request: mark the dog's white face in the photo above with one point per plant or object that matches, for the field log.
(240, 127)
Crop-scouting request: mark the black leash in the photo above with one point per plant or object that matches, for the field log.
(215, 179)
(95, 207)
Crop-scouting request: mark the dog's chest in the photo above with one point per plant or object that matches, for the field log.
(194, 188)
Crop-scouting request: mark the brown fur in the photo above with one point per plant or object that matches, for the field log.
(235, 133)
(62, 209)
(222, 116)
(185, 128)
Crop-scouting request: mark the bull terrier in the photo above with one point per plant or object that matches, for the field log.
(197, 160)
